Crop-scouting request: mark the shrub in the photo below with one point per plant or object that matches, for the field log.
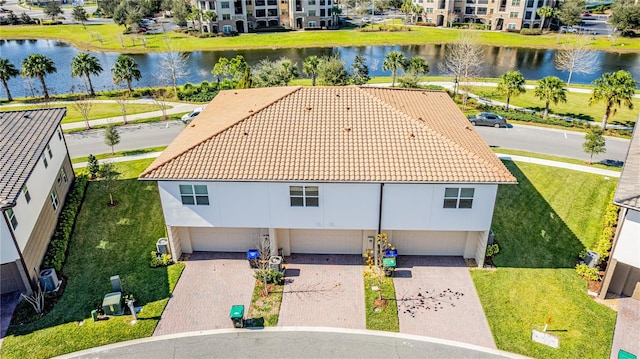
(273, 276)
(197, 93)
(57, 250)
(533, 32)
(492, 250)
(586, 272)
(161, 260)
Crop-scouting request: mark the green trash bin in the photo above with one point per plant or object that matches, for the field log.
(94, 315)
(388, 265)
(237, 316)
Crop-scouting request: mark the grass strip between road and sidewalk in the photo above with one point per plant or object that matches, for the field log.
(98, 110)
(574, 161)
(104, 156)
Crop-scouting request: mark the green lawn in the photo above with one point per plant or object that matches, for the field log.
(107, 37)
(576, 105)
(574, 161)
(106, 241)
(385, 318)
(102, 156)
(265, 309)
(98, 110)
(541, 225)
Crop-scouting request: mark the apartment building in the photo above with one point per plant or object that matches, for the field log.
(498, 14)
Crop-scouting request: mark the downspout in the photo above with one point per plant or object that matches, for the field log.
(15, 243)
(380, 210)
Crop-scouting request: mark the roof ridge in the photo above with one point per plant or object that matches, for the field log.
(159, 162)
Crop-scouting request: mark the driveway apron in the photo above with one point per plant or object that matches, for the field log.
(210, 284)
(627, 332)
(436, 298)
(323, 291)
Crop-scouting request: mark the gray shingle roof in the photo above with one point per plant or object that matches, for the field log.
(628, 191)
(23, 138)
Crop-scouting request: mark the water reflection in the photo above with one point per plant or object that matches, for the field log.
(533, 63)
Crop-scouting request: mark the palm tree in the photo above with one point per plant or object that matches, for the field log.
(393, 61)
(550, 89)
(210, 16)
(511, 84)
(38, 65)
(7, 71)
(546, 12)
(86, 65)
(125, 69)
(614, 89)
(310, 68)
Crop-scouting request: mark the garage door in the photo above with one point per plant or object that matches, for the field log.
(225, 239)
(430, 243)
(325, 241)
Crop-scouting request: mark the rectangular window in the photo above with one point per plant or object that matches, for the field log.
(312, 13)
(226, 17)
(482, 11)
(312, 2)
(458, 197)
(304, 196)
(322, 12)
(62, 176)
(224, 4)
(27, 196)
(469, 10)
(54, 199)
(49, 151)
(194, 194)
(515, 2)
(44, 159)
(261, 12)
(272, 12)
(12, 218)
(226, 28)
(59, 133)
(260, 2)
(513, 14)
(511, 26)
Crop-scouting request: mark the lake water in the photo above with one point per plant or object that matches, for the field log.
(532, 63)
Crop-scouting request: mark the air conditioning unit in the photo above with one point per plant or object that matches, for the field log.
(49, 280)
(591, 259)
(162, 246)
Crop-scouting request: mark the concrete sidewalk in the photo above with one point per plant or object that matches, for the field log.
(502, 156)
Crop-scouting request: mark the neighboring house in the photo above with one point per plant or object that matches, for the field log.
(623, 272)
(324, 169)
(35, 176)
(498, 15)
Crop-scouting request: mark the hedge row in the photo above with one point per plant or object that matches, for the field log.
(57, 251)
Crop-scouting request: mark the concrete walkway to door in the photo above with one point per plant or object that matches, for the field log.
(323, 291)
(210, 284)
(436, 298)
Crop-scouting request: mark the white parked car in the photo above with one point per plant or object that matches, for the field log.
(191, 115)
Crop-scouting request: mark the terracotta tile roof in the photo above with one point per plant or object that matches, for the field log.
(23, 138)
(628, 191)
(354, 134)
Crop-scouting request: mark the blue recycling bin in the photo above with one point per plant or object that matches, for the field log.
(252, 257)
(391, 253)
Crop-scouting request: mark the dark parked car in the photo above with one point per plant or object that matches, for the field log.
(488, 119)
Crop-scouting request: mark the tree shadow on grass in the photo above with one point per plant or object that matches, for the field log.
(530, 233)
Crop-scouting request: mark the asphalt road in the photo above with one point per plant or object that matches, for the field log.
(527, 138)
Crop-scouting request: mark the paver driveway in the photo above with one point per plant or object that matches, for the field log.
(210, 284)
(323, 291)
(437, 298)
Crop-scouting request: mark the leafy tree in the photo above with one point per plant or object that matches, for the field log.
(109, 174)
(511, 84)
(550, 89)
(331, 71)
(360, 71)
(413, 69)
(80, 14)
(274, 73)
(84, 64)
(546, 12)
(181, 10)
(93, 166)
(125, 70)
(310, 68)
(394, 60)
(246, 81)
(210, 16)
(615, 89)
(52, 10)
(7, 71)
(38, 66)
(576, 56)
(108, 7)
(625, 15)
(232, 69)
(594, 142)
(571, 12)
(25, 19)
(111, 137)
(127, 13)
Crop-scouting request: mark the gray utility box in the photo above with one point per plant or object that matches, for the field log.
(592, 259)
(162, 246)
(275, 262)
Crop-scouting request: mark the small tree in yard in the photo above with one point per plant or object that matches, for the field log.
(264, 273)
(161, 98)
(83, 106)
(122, 102)
(109, 174)
(511, 84)
(594, 143)
(375, 255)
(111, 137)
(93, 166)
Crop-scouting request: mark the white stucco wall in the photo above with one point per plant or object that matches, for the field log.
(8, 252)
(341, 206)
(628, 247)
(39, 185)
